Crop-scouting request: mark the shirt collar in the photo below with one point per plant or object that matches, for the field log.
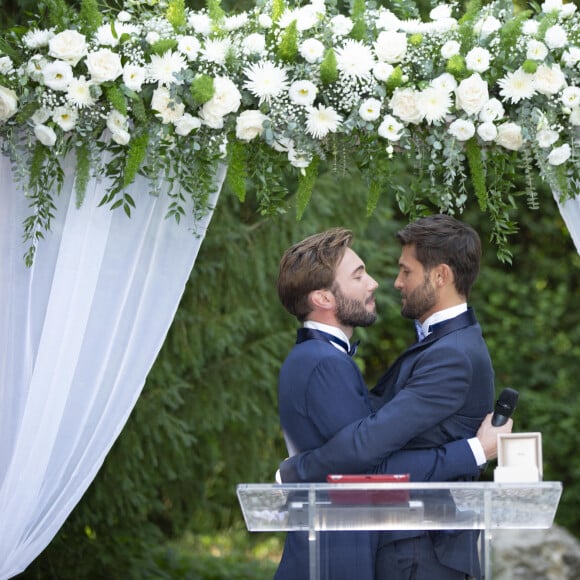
(443, 315)
(330, 330)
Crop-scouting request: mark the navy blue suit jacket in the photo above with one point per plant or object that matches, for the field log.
(321, 392)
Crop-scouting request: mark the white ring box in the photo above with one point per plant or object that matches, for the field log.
(519, 458)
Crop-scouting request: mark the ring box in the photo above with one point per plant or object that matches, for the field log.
(519, 458)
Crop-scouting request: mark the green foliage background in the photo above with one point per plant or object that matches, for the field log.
(207, 418)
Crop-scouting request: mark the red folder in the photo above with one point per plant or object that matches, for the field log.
(375, 496)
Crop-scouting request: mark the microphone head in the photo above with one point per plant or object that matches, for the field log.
(508, 399)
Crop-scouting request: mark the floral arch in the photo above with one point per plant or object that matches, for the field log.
(141, 109)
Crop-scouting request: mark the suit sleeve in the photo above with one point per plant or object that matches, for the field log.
(434, 392)
(446, 463)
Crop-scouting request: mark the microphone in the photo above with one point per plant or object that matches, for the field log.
(504, 407)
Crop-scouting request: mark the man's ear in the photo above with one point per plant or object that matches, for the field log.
(442, 276)
(321, 299)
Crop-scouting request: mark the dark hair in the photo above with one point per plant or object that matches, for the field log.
(310, 265)
(441, 239)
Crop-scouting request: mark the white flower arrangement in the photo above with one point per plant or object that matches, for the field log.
(172, 92)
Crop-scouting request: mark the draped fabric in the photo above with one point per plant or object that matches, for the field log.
(79, 332)
(570, 211)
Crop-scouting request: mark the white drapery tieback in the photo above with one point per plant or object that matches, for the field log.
(79, 332)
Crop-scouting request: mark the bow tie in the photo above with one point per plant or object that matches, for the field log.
(350, 351)
(310, 333)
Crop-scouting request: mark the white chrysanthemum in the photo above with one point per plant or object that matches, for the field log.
(450, 48)
(571, 97)
(254, 43)
(186, 124)
(477, 59)
(134, 76)
(57, 75)
(549, 80)
(462, 129)
(559, 155)
(370, 109)
(250, 124)
(390, 129)
(65, 117)
(383, 70)
(312, 50)
(266, 80)
(162, 69)
(201, 23)
(571, 56)
(517, 85)
(556, 37)
(189, 46)
(487, 131)
(235, 22)
(391, 46)
(216, 51)
(547, 137)
(413, 26)
(434, 104)
(445, 82)
(341, 25)
(36, 38)
(79, 93)
(355, 59)
(321, 121)
(509, 135)
(45, 135)
(265, 21)
(492, 111)
(536, 50)
(303, 93)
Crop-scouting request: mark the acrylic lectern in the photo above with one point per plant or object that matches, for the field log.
(319, 507)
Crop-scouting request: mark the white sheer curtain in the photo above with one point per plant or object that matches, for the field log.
(570, 211)
(79, 332)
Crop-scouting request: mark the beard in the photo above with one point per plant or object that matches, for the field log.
(419, 301)
(351, 312)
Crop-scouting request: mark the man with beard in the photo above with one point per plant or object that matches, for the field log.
(324, 284)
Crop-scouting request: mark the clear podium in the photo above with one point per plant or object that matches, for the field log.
(319, 507)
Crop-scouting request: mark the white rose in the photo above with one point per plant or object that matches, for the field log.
(40, 116)
(121, 136)
(487, 26)
(201, 23)
(491, 111)
(391, 46)
(472, 94)
(254, 44)
(487, 131)
(477, 59)
(370, 110)
(551, 6)
(104, 65)
(383, 70)
(226, 99)
(69, 46)
(265, 21)
(387, 20)
(312, 50)
(250, 124)
(509, 135)
(57, 75)
(547, 137)
(167, 109)
(186, 124)
(571, 56)
(450, 48)
(556, 37)
(445, 82)
(341, 25)
(549, 80)
(440, 12)
(8, 103)
(575, 116)
(559, 155)
(45, 135)
(462, 129)
(530, 27)
(404, 104)
(537, 50)
(6, 66)
(567, 10)
(299, 159)
(118, 124)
